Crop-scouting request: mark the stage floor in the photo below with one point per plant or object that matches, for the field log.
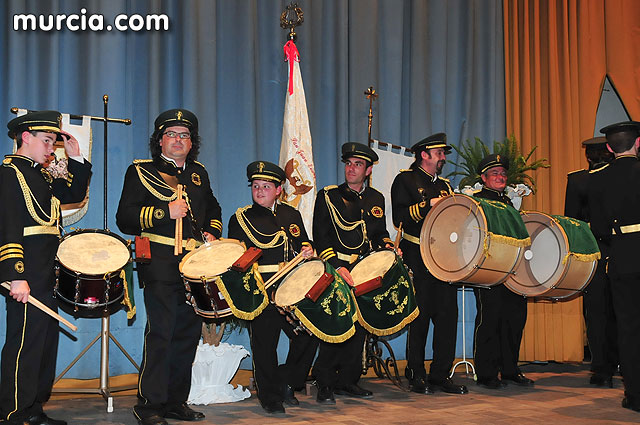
(562, 395)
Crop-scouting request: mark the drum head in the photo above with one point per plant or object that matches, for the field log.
(298, 282)
(372, 266)
(451, 239)
(211, 259)
(93, 252)
(541, 268)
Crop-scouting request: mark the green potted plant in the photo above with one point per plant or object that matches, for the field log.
(519, 183)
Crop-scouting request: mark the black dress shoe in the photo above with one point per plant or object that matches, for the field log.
(420, 386)
(152, 420)
(325, 395)
(446, 385)
(519, 379)
(354, 390)
(43, 419)
(183, 413)
(601, 380)
(490, 383)
(628, 405)
(273, 408)
(289, 396)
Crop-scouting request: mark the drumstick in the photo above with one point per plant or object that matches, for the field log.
(286, 269)
(398, 237)
(177, 248)
(36, 303)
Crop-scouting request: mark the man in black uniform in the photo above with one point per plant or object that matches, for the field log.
(30, 223)
(348, 222)
(614, 205)
(413, 193)
(149, 207)
(598, 307)
(277, 229)
(501, 313)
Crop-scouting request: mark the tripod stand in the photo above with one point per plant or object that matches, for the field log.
(464, 360)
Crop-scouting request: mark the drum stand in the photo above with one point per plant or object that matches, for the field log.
(105, 390)
(382, 367)
(464, 360)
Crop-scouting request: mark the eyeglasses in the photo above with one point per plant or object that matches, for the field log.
(173, 135)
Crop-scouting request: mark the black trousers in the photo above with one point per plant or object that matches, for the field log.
(340, 364)
(600, 319)
(626, 293)
(270, 378)
(28, 364)
(171, 339)
(500, 319)
(438, 303)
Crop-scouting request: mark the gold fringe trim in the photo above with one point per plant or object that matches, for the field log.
(241, 314)
(389, 331)
(321, 335)
(131, 310)
(587, 258)
(508, 240)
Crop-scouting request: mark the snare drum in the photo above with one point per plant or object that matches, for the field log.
(560, 261)
(211, 284)
(472, 240)
(384, 293)
(315, 294)
(89, 268)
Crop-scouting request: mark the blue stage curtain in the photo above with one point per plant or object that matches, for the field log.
(437, 66)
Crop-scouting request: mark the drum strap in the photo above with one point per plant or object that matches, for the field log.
(411, 238)
(41, 230)
(349, 258)
(269, 268)
(189, 245)
(630, 228)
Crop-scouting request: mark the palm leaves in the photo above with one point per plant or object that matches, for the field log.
(473, 152)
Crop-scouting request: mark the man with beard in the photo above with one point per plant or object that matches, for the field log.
(598, 308)
(501, 313)
(413, 193)
(30, 223)
(149, 207)
(614, 206)
(348, 222)
(277, 229)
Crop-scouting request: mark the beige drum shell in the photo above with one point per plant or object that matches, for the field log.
(372, 266)
(93, 253)
(211, 259)
(452, 244)
(298, 282)
(544, 275)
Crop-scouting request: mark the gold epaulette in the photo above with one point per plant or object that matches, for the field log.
(576, 171)
(404, 170)
(373, 188)
(6, 161)
(598, 169)
(333, 186)
(142, 161)
(199, 163)
(442, 178)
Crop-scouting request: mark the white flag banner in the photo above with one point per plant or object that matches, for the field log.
(389, 165)
(296, 153)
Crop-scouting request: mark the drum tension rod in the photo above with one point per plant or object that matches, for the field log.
(493, 270)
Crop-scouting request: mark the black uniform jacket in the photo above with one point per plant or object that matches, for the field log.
(144, 208)
(493, 195)
(280, 232)
(347, 224)
(614, 203)
(576, 201)
(411, 192)
(26, 252)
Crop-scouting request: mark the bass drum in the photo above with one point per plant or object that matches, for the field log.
(548, 269)
(458, 245)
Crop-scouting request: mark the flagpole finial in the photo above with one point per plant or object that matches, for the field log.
(371, 95)
(291, 17)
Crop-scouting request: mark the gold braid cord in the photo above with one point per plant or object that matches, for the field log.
(275, 241)
(343, 224)
(151, 179)
(54, 214)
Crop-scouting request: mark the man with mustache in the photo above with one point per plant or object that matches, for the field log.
(413, 193)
